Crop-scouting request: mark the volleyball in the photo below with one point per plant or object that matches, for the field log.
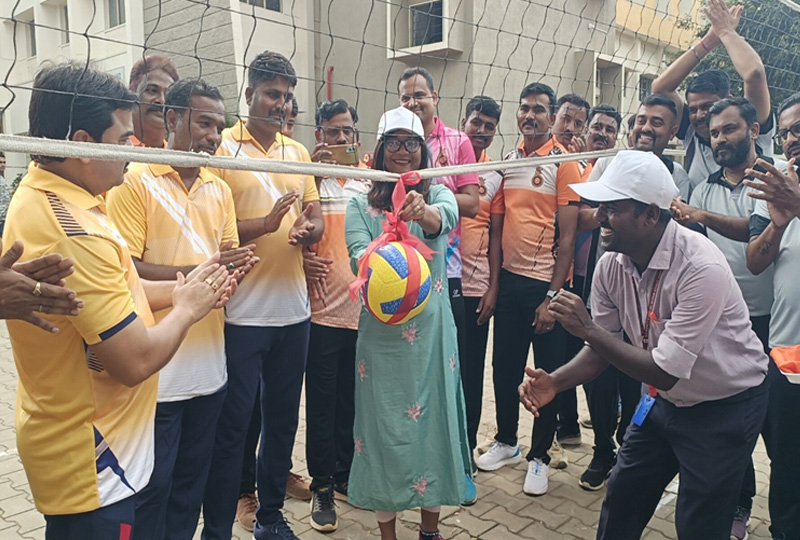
(396, 272)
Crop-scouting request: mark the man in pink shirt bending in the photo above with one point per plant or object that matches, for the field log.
(673, 293)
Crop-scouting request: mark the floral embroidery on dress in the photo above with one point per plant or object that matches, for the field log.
(453, 362)
(414, 412)
(420, 486)
(409, 333)
(362, 370)
(359, 446)
(372, 211)
(438, 285)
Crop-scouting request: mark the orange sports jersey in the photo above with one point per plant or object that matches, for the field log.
(475, 234)
(85, 439)
(338, 310)
(166, 224)
(274, 293)
(531, 197)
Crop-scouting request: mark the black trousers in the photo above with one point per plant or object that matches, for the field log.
(472, 365)
(113, 522)
(761, 328)
(709, 444)
(568, 399)
(513, 335)
(330, 404)
(602, 396)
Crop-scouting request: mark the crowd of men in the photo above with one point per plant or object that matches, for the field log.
(232, 286)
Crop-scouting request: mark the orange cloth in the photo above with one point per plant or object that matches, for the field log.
(787, 358)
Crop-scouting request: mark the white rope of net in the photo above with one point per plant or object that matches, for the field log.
(175, 158)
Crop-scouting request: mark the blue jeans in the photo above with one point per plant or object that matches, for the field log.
(275, 356)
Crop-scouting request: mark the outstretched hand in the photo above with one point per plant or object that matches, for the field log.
(536, 391)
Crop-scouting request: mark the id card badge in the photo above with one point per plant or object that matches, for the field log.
(643, 409)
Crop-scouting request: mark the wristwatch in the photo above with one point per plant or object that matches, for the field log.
(551, 294)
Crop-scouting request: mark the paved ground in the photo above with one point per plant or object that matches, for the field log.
(502, 510)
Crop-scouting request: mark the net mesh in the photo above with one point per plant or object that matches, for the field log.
(608, 51)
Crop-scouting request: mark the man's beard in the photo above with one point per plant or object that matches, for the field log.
(737, 153)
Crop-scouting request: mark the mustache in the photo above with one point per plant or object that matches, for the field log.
(792, 147)
(155, 107)
(600, 138)
(531, 123)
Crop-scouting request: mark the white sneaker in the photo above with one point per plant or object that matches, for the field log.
(498, 455)
(536, 479)
(558, 459)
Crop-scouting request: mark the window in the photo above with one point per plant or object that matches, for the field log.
(425, 23)
(32, 38)
(64, 25)
(645, 87)
(272, 5)
(116, 13)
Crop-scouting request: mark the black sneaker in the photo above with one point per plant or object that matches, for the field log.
(279, 530)
(323, 510)
(594, 478)
(340, 491)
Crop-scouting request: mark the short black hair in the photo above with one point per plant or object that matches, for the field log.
(295, 107)
(713, 81)
(2, 154)
(746, 109)
(791, 101)
(179, 95)
(268, 66)
(606, 109)
(664, 101)
(145, 65)
(69, 97)
(483, 105)
(329, 109)
(410, 72)
(540, 88)
(575, 99)
(631, 121)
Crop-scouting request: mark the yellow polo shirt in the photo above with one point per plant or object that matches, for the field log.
(85, 439)
(274, 292)
(166, 224)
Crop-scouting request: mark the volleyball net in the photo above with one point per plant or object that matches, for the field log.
(607, 51)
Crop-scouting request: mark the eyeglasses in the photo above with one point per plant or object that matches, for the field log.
(411, 145)
(348, 132)
(782, 134)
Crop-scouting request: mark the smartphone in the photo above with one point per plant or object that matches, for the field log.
(344, 154)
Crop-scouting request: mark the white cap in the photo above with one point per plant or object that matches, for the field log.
(400, 118)
(632, 174)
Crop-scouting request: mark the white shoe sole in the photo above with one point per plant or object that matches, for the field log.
(533, 493)
(324, 528)
(500, 464)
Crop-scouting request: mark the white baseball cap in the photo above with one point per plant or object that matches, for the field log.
(632, 174)
(400, 118)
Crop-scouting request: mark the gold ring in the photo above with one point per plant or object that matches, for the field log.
(37, 289)
(210, 282)
(214, 286)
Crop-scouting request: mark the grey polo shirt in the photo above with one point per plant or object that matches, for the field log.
(784, 326)
(716, 195)
(699, 156)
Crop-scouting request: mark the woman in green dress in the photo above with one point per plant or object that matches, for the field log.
(409, 431)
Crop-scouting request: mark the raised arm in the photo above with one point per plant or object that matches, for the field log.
(744, 58)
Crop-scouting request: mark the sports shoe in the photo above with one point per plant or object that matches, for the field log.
(472, 492)
(279, 530)
(741, 519)
(558, 459)
(594, 478)
(498, 455)
(297, 487)
(340, 491)
(246, 511)
(323, 510)
(536, 478)
(571, 439)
